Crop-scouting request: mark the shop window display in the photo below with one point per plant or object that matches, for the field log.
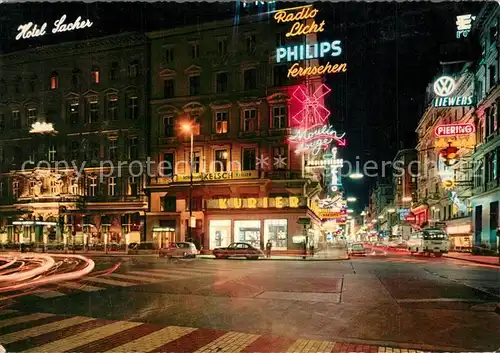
(276, 230)
(247, 232)
(220, 233)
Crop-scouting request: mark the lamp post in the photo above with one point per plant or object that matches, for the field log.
(188, 128)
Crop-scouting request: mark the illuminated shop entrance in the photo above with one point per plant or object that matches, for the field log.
(163, 236)
(247, 232)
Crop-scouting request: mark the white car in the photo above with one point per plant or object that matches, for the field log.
(179, 249)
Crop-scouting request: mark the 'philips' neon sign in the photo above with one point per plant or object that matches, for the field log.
(304, 52)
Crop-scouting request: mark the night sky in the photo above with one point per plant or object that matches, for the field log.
(392, 51)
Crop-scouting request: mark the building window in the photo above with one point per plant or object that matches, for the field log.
(493, 35)
(113, 149)
(168, 88)
(75, 78)
(15, 189)
(112, 107)
(279, 157)
(195, 50)
(194, 85)
(32, 154)
(92, 190)
(93, 151)
(280, 75)
(168, 164)
(133, 108)
(196, 162)
(222, 46)
(2, 122)
(95, 75)
(169, 55)
(249, 159)
(52, 153)
(492, 76)
(221, 121)
(133, 186)
(54, 80)
(221, 82)
(113, 71)
(279, 117)
(276, 230)
(93, 113)
(221, 160)
(251, 44)
(32, 84)
(250, 79)
(31, 116)
(133, 150)
(247, 232)
(112, 186)
(168, 204)
(74, 113)
(53, 186)
(133, 70)
(74, 187)
(220, 233)
(249, 119)
(169, 126)
(16, 119)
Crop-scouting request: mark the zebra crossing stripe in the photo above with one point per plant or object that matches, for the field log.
(110, 282)
(153, 340)
(80, 286)
(134, 278)
(159, 275)
(42, 329)
(50, 294)
(23, 319)
(73, 341)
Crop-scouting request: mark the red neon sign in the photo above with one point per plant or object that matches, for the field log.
(454, 130)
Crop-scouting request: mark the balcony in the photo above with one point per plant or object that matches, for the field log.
(284, 175)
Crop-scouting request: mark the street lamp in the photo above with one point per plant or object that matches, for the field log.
(356, 175)
(188, 128)
(391, 210)
(350, 211)
(351, 199)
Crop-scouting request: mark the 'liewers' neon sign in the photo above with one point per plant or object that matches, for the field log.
(307, 52)
(30, 30)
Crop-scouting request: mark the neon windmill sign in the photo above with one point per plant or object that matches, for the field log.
(312, 134)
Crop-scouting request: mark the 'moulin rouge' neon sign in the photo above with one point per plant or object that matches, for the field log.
(307, 51)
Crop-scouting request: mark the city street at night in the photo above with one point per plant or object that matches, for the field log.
(151, 304)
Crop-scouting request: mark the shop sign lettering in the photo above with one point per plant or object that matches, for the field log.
(249, 174)
(454, 129)
(251, 202)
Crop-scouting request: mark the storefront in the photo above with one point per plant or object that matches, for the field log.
(258, 220)
(485, 218)
(460, 234)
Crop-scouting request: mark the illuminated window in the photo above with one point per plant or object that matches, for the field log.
(52, 153)
(95, 75)
(169, 55)
(194, 85)
(250, 79)
(169, 126)
(222, 46)
(132, 186)
(249, 120)
(15, 188)
(169, 88)
(32, 187)
(279, 117)
(221, 157)
(16, 119)
(195, 50)
(31, 116)
(247, 232)
(93, 111)
(221, 121)
(279, 157)
(249, 159)
(276, 230)
(113, 71)
(54, 80)
(112, 107)
(92, 189)
(74, 113)
(221, 80)
(113, 149)
(112, 186)
(74, 187)
(53, 186)
(133, 108)
(196, 161)
(220, 233)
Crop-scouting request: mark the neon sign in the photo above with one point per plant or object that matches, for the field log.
(313, 111)
(454, 129)
(246, 3)
(30, 30)
(316, 140)
(42, 128)
(464, 25)
(457, 202)
(335, 182)
(307, 51)
(444, 86)
(335, 202)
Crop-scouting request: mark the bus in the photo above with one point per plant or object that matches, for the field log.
(429, 241)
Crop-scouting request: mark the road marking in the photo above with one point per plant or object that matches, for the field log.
(80, 286)
(50, 294)
(153, 340)
(23, 319)
(159, 275)
(110, 281)
(230, 342)
(135, 278)
(71, 342)
(439, 300)
(43, 329)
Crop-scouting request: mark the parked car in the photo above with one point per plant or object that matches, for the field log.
(238, 250)
(179, 249)
(355, 249)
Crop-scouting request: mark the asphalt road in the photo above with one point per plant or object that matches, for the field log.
(392, 300)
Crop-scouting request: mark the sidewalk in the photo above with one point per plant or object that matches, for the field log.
(488, 260)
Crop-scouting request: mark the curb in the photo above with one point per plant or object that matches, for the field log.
(469, 260)
(290, 259)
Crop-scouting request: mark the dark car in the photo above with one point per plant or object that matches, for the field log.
(238, 250)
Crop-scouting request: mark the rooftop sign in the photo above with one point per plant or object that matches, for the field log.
(444, 87)
(31, 30)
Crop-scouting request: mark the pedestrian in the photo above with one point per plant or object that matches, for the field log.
(269, 246)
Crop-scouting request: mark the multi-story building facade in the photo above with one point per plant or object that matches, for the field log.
(404, 179)
(72, 121)
(486, 192)
(220, 82)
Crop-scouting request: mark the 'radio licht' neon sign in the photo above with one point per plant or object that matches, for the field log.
(307, 51)
(454, 130)
(30, 30)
